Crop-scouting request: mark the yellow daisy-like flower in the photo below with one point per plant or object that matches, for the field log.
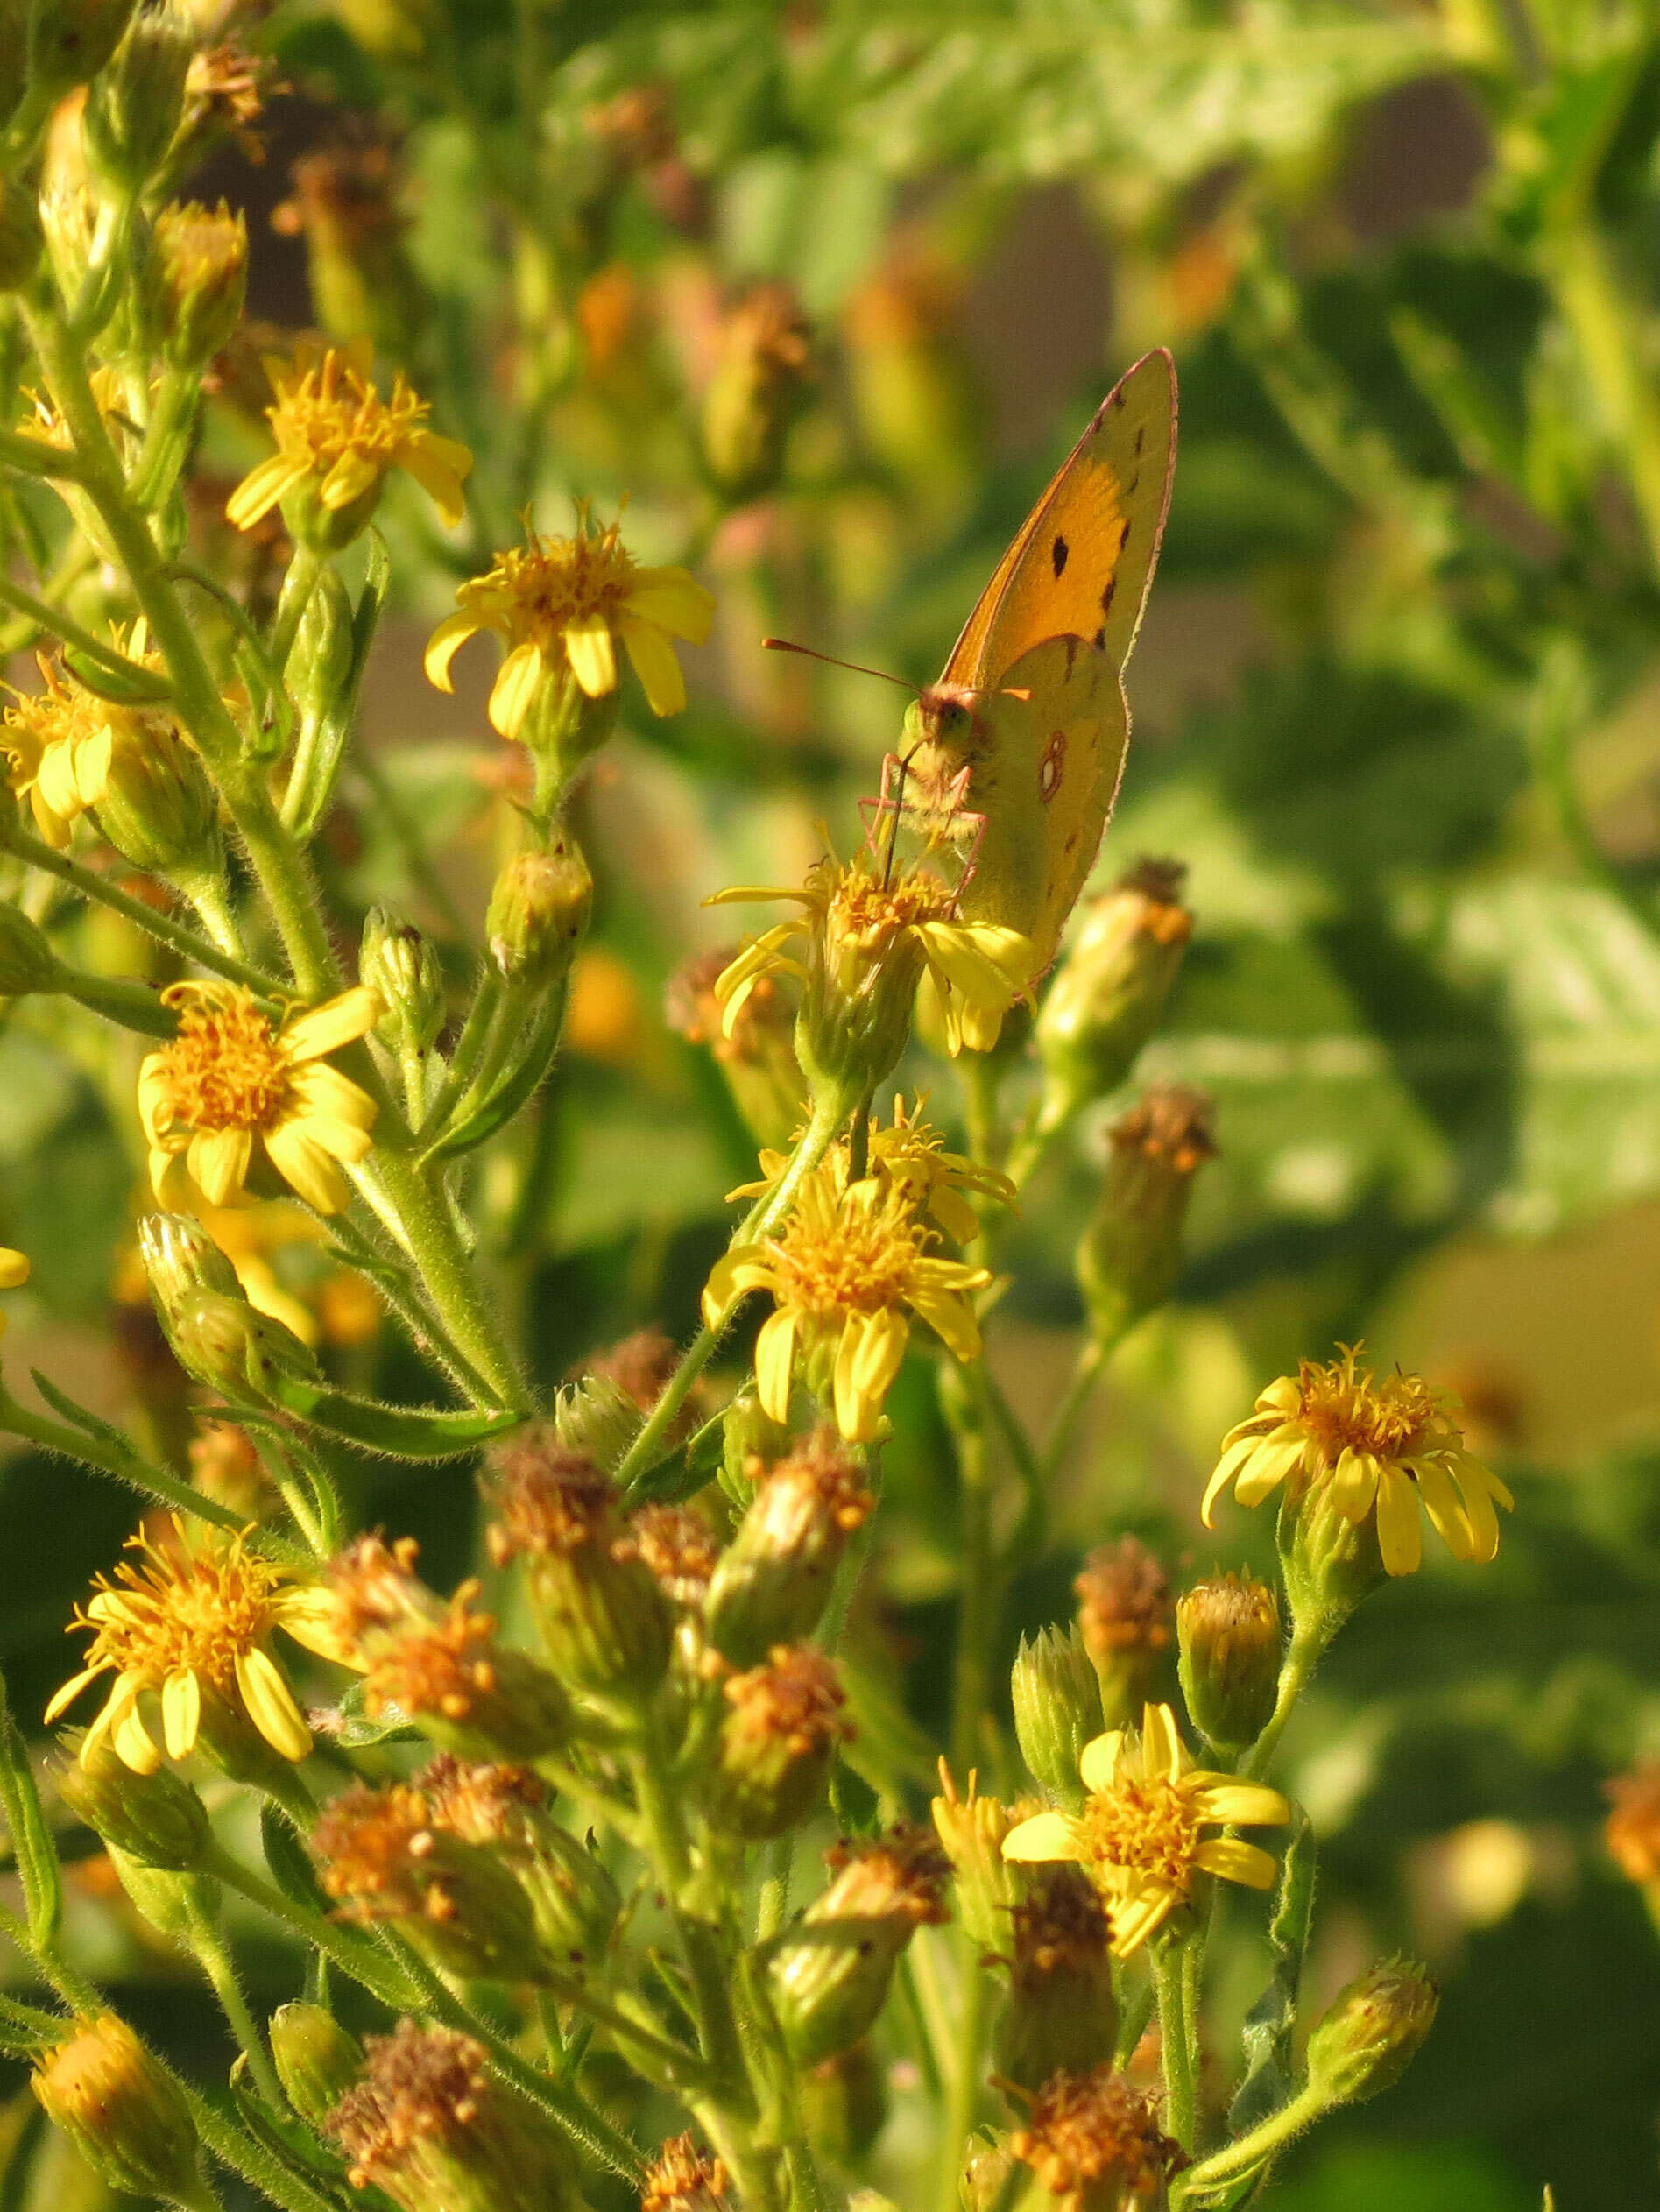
(232, 1077)
(1386, 1444)
(867, 924)
(335, 432)
(913, 1154)
(561, 603)
(842, 1271)
(191, 1624)
(1141, 1836)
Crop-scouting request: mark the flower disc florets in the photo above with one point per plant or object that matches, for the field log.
(682, 2179)
(1093, 2143)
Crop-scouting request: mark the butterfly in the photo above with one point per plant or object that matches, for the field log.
(1017, 749)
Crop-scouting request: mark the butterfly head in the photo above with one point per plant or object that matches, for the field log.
(940, 714)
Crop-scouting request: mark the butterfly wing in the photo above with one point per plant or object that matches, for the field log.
(1082, 563)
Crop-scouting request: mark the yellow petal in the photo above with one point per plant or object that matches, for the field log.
(674, 600)
(337, 1021)
(322, 1092)
(181, 1712)
(1237, 1862)
(63, 1699)
(514, 690)
(1161, 1749)
(261, 489)
(443, 645)
(660, 674)
(425, 460)
(881, 1354)
(219, 1160)
(951, 1318)
(1134, 1922)
(271, 1704)
(351, 475)
(1099, 1761)
(592, 654)
(14, 1267)
(307, 1168)
(1242, 1805)
(1046, 1835)
(775, 1363)
(1268, 1467)
(1400, 1532)
(1446, 1514)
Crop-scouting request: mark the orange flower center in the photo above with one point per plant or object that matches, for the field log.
(227, 1068)
(197, 1610)
(849, 1261)
(542, 587)
(1152, 1826)
(1389, 1419)
(330, 410)
(868, 911)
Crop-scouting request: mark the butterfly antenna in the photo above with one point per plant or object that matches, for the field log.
(784, 645)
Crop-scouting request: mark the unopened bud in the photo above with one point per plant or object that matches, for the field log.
(595, 1419)
(776, 1744)
(539, 912)
(155, 1819)
(320, 665)
(1057, 1710)
(970, 1831)
(606, 1624)
(766, 357)
(27, 961)
(404, 966)
(844, 2103)
(1123, 1618)
(1061, 2015)
(153, 798)
(1111, 988)
(317, 2061)
(1373, 2030)
(987, 2176)
(830, 1977)
(758, 1058)
(174, 1905)
(1229, 1635)
(123, 2111)
(136, 104)
(773, 1580)
(1130, 1254)
(751, 1441)
(22, 240)
(221, 1339)
(180, 1258)
(196, 280)
(69, 42)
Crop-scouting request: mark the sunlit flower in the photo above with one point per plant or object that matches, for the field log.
(872, 932)
(842, 1271)
(191, 1624)
(231, 1076)
(682, 2179)
(1095, 2143)
(14, 1273)
(335, 435)
(1141, 1836)
(562, 603)
(911, 1153)
(59, 741)
(1386, 1443)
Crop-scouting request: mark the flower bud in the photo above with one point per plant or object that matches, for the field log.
(758, 1059)
(986, 2179)
(1123, 1618)
(1329, 1562)
(751, 1441)
(1110, 987)
(69, 43)
(765, 354)
(122, 2110)
(776, 1744)
(1228, 1632)
(155, 1819)
(317, 2061)
(216, 1336)
(136, 104)
(174, 1905)
(320, 664)
(844, 2103)
(1130, 1254)
(196, 281)
(773, 1580)
(970, 1830)
(606, 1624)
(153, 799)
(1372, 2031)
(1057, 1710)
(595, 1419)
(829, 1978)
(180, 1259)
(1061, 2015)
(382, 1857)
(27, 961)
(404, 966)
(539, 913)
(22, 240)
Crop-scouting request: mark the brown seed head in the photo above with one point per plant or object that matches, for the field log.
(548, 1500)
(692, 1010)
(483, 1801)
(418, 2082)
(795, 1700)
(1093, 2143)
(1124, 1600)
(639, 1365)
(683, 2179)
(1170, 1127)
(900, 1876)
(373, 1848)
(679, 1547)
(1060, 1925)
(819, 1480)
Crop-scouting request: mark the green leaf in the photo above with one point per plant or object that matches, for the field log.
(31, 1842)
(1266, 2035)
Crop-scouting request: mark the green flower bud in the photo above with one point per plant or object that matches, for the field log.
(844, 2103)
(982, 2185)
(1111, 988)
(1229, 1637)
(776, 1744)
(1061, 2015)
(757, 1059)
(830, 1976)
(751, 1441)
(180, 1259)
(766, 356)
(123, 2111)
(606, 1625)
(1373, 2030)
(404, 968)
(27, 961)
(382, 1857)
(1130, 1254)
(1123, 1618)
(595, 1419)
(773, 1580)
(1329, 1562)
(136, 104)
(216, 1336)
(174, 1903)
(22, 240)
(539, 912)
(196, 281)
(320, 665)
(154, 800)
(69, 42)
(157, 1820)
(317, 2061)
(1057, 1710)
(970, 1830)
(573, 1899)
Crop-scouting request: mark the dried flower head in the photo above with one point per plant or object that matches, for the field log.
(682, 2178)
(795, 1701)
(1376, 1444)
(483, 1801)
(1632, 1831)
(1141, 1837)
(1095, 2145)
(225, 1467)
(1124, 1600)
(680, 1549)
(1060, 1925)
(193, 1625)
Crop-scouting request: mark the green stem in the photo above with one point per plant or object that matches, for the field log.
(208, 1945)
(233, 2146)
(1174, 2041)
(963, 2099)
(297, 588)
(366, 1963)
(448, 1277)
(1308, 1647)
(58, 624)
(285, 879)
(970, 1677)
(1575, 263)
(130, 1005)
(1240, 2158)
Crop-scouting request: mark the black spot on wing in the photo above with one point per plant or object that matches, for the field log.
(1141, 437)
(1106, 595)
(1099, 640)
(1071, 655)
(1058, 552)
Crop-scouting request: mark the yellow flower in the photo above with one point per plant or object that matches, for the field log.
(842, 1271)
(911, 1153)
(560, 604)
(193, 1625)
(1387, 1444)
(1140, 1837)
(336, 434)
(231, 1076)
(871, 928)
(14, 1272)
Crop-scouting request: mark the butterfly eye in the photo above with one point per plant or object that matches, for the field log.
(954, 718)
